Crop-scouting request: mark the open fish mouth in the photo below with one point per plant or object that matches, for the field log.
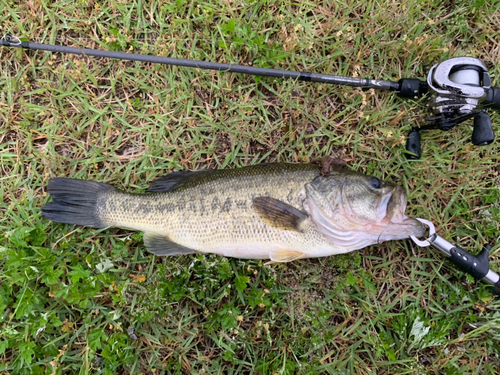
(396, 205)
(397, 224)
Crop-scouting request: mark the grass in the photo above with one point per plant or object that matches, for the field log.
(84, 301)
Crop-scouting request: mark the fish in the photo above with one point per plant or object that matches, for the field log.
(278, 211)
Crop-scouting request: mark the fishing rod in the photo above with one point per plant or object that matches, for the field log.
(457, 86)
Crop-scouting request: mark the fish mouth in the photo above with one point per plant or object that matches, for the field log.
(392, 212)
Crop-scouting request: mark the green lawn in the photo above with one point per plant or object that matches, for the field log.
(82, 301)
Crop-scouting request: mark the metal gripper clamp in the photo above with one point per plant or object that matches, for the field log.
(475, 265)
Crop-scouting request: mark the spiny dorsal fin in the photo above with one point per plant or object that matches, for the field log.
(162, 246)
(175, 179)
(278, 214)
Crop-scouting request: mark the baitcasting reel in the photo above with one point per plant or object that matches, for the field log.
(457, 86)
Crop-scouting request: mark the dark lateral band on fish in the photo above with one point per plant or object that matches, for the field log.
(280, 212)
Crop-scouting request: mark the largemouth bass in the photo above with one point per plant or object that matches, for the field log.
(281, 212)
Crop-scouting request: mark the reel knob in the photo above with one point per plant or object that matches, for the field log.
(413, 145)
(482, 134)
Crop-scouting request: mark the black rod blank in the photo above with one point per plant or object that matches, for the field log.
(301, 76)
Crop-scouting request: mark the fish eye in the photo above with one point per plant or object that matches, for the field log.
(375, 182)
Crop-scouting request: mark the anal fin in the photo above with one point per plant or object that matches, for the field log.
(163, 246)
(283, 255)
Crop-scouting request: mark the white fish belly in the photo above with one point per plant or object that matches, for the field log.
(259, 241)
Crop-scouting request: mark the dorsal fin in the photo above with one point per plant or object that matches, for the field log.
(187, 179)
(175, 179)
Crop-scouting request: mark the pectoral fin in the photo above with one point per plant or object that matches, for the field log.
(282, 256)
(278, 214)
(162, 246)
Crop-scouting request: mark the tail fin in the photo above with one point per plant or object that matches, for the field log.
(75, 201)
